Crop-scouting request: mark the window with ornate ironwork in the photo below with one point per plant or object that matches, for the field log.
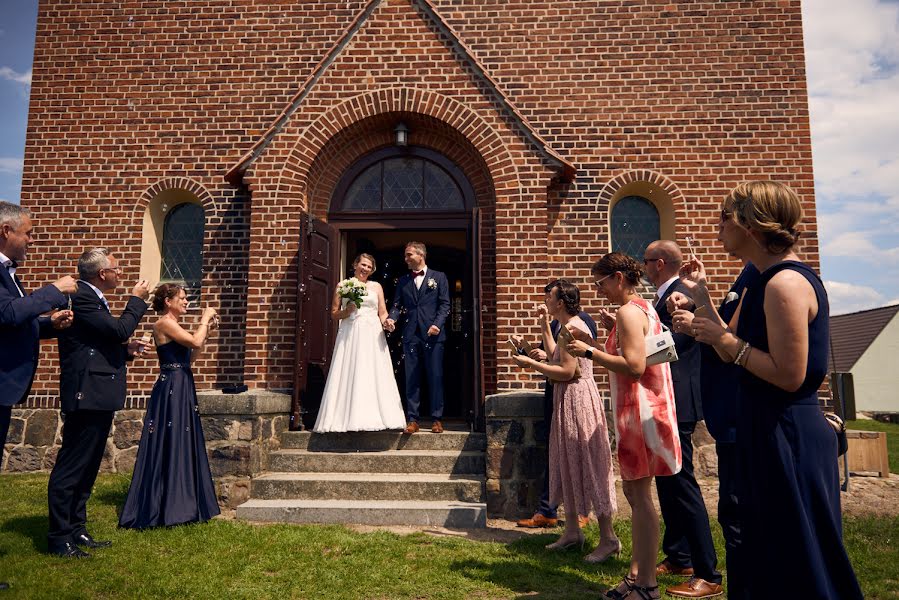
(182, 246)
(635, 224)
(401, 184)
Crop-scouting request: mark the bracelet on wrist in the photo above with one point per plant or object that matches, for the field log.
(741, 352)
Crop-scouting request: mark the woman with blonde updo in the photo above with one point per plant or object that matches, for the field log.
(789, 494)
(172, 483)
(646, 432)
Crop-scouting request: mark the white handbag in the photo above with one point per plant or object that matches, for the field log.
(660, 348)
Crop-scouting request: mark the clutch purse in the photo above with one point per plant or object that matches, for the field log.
(839, 429)
(660, 348)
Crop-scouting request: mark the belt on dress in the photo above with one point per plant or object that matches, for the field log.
(175, 367)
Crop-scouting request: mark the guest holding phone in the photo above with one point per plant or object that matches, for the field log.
(579, 453)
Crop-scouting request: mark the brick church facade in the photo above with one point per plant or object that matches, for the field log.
(278, 125)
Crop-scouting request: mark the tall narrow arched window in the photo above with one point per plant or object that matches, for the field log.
(182, 246)
(635, 224)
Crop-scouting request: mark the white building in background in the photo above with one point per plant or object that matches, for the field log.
(866, 344)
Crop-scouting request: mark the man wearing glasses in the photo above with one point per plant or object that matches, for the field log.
(687, 544)
(92, 355)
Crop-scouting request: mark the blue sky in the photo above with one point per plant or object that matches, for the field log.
(852, 50)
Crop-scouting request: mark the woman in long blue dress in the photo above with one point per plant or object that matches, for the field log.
(788, 490)
(172, 484)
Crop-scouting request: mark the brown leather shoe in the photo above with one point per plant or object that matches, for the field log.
(411, 428)
(696, 588)
(538, 521)
(666, 568)
(437, 427)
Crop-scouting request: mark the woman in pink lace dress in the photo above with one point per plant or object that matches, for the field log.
(580, 472)
(645, 419)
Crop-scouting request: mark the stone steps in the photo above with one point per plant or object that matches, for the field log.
(366, 512)
(374, 441)
(373, 478)
(388, 461)
(368, 486)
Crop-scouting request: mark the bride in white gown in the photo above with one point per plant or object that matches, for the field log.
(361, 392)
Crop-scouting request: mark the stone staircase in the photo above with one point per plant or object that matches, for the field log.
(373, 478)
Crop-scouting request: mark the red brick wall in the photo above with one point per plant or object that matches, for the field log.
(125, 95)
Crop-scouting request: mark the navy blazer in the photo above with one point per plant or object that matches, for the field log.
(21, 329)
(426, 306)
(93, 353)
(685, 371)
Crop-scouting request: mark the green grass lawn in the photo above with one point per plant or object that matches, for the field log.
(225, 559)
(892, 430)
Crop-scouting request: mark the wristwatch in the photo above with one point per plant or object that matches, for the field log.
(588, 354)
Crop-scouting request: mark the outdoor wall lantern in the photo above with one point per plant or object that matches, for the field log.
(402, 134)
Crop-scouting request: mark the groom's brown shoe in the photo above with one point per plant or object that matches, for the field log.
(411, 428)
(437, 427)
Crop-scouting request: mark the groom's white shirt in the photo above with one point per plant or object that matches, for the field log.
(418, 280)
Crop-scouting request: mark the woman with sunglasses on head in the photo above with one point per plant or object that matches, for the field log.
(645, 419)
(580, 469)
(789, 495)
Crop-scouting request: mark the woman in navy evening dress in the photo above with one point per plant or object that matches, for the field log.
(172, 484)
(788, 490)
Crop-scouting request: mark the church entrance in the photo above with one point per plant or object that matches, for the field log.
(385, 200)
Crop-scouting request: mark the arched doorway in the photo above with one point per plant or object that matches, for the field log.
(383, 200)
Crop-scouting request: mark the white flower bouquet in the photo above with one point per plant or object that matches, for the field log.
(353, 290)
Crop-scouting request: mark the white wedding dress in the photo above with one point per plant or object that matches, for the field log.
(361, 392)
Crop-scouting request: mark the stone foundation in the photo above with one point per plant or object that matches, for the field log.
(517, 438)
(240, 431)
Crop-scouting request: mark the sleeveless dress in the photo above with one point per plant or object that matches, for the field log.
(172, 484)
(579, 453)
(360, 393)
(645, 416)
(790, 491)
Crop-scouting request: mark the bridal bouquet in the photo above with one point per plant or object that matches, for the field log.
(353, 290)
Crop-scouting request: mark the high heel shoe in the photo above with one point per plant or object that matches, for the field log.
(559, 545)
(595, 559)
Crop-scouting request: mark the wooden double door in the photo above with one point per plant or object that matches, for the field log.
(327, 254)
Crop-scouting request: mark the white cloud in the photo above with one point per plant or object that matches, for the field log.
(11, 165)
(7, 73)
(848, 297)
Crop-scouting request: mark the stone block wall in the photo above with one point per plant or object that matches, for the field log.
(517, 439)
(240, 431)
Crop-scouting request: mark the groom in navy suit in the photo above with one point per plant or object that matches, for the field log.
(424, 296)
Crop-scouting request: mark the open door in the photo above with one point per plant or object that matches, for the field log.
(318, 255)
(474, 244)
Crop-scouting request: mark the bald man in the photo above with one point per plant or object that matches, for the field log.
(688, 546)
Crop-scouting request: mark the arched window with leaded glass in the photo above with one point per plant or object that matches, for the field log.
(403, 180)
(635, 224)
(182, 246)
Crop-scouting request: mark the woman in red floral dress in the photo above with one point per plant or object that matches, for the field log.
(645, 419)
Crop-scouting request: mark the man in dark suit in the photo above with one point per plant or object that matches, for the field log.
(21, 324)
(423, 295)
(93, 355)
(687, 543)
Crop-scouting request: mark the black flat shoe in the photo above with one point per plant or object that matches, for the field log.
(67, 550)
(4, 585)
(87, 541)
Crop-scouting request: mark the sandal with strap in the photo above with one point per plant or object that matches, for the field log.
(645, 592)
(623, 589)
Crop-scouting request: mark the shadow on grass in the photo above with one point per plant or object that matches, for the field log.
(111, 495)
(534, 572)
(33, 527)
